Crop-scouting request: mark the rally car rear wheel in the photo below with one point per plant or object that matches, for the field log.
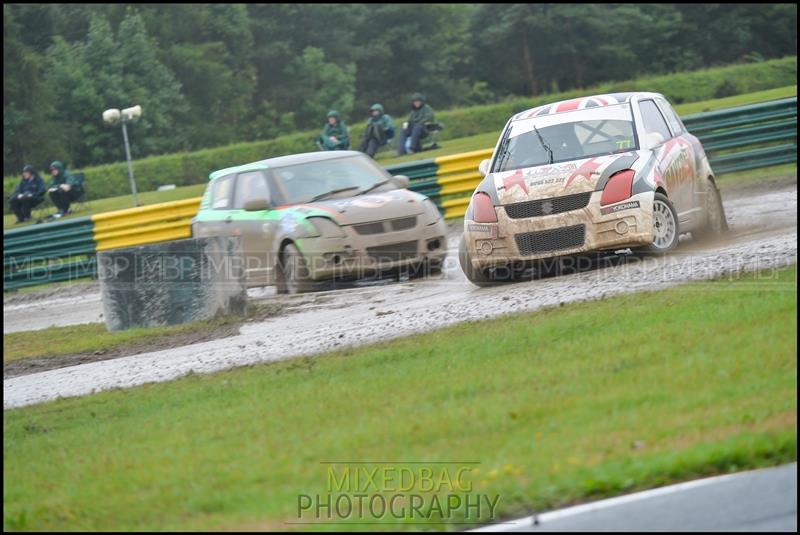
(293, 274)
(665, 225)
(715, 214)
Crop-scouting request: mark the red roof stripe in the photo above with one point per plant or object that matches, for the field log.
(569, 105)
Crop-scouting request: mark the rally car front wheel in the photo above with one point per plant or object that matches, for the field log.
(665, 226)
(478, 277)
(293, 273)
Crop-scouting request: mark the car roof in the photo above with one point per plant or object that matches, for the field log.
(581, 103)
(283, 161)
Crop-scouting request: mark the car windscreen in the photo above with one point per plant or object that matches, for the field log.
(567, 136)
(301, 183)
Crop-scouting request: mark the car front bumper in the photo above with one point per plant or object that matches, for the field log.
(356, 255)
(628, 223)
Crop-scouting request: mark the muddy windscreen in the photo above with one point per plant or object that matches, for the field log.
(311, 181)
(567, 136)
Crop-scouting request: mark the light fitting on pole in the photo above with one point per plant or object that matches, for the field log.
(132, 113)
(115, 116)
(112, 116)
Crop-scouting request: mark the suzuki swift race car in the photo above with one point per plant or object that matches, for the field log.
(606, 172)
(319, 216)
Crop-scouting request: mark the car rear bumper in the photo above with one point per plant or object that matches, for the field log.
(357, 256)
(593, 228)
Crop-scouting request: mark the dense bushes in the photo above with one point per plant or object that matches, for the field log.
(193, 167)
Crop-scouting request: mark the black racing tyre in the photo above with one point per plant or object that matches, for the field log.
(293, 274)
(716, 222)
(429, 266)
(665, 226)
(478, 277)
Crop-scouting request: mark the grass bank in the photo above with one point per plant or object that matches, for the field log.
(555, 407)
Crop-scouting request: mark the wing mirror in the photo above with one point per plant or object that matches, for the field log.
(483, 167)
(654, 139)
(401, 180)
(256, 205)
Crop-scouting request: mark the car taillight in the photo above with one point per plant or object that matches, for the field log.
(618, 187)
(483, 209)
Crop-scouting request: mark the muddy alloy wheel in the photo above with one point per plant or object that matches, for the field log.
(293, 275)
(665, 225)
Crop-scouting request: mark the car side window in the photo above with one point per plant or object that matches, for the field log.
(653, 120)
(672, 118)
(221, 193)
(250, 185)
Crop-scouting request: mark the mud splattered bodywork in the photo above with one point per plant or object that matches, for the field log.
(595, 188)
(352, 231)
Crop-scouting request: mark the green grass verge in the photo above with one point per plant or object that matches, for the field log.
(488, 140)
(386, 157)
(93, 337)
(39, 287)
(690, 108)
(113, 203)
(754, 176)
(583, 401)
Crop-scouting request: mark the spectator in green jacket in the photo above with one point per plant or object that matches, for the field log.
(414, 130)
(29, 193)
(64, 188)
(379, 130)
(334, 136)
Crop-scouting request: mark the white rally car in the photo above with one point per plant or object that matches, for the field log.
(605, 172)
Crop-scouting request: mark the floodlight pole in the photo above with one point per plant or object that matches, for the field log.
(130, 163)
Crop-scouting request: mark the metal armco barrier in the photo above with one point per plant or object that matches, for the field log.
(724, 132)
(736, 139)
(147, 224)
(53, 252)
(459, 176)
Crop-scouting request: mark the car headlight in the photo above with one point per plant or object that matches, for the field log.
(432, 214)
(326, 227)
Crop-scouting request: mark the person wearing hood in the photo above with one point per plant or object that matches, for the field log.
(335, 135)
(414, 130)
(29, 194)
(64, 188)
(379, 130)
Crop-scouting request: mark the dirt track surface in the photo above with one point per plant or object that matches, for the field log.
(763, 235)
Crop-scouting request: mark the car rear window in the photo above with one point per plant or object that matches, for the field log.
(221, 191)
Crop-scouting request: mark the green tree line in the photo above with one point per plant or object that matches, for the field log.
(210, 75)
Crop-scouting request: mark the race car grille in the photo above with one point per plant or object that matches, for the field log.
(393, 252)
(545, 241)
(404, 223)
(369, 228)
(554, 205)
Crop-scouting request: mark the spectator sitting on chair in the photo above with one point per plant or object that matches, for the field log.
(29, 193)
(414, 130)
(64, 189)
(380, 129)
(334, 136)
